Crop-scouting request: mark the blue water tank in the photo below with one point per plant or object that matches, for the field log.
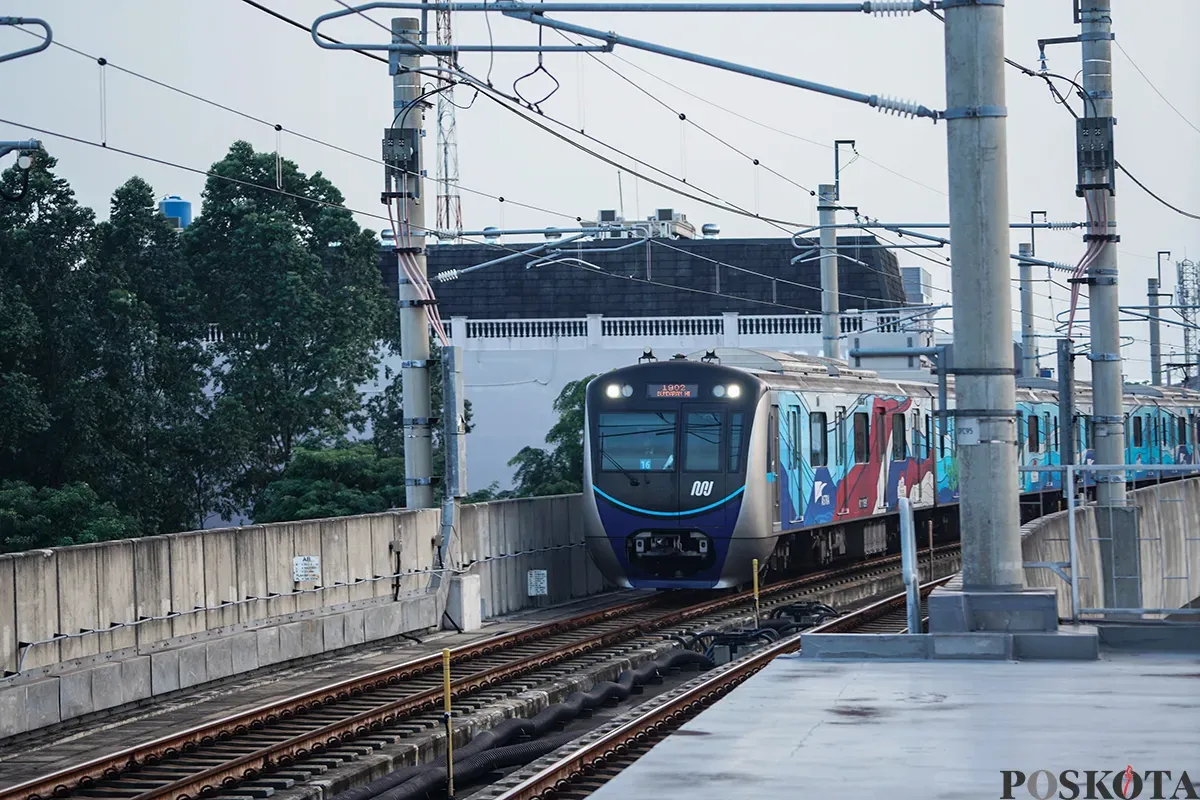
(177, 210)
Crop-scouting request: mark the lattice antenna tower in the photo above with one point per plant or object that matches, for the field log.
(449, 203)
(1188, 292)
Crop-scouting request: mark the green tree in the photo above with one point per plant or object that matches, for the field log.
(560, 470)
(334, 482)
(33, 518)
(151, 367)
(294, 287)
(47, 330)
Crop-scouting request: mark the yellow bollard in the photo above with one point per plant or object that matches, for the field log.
(756, 593)
(449, 728)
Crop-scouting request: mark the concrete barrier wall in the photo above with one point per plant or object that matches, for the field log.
(506, 539)
(206, 581)
(1168, 548)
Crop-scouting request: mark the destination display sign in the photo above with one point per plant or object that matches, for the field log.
(680, 390)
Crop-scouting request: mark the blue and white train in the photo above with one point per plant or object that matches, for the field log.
(695, 466)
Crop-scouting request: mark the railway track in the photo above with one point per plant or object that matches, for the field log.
(254, 752)
(601, 757)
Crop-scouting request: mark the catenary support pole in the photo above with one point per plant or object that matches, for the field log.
(985, 388)
(1028, 335)
(1155, 332)
(1104, 314)
(1070, 435)
(405, 185)
(830, 325)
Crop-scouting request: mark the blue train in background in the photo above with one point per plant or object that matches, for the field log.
(696, 466)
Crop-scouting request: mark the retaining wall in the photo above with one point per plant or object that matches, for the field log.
(1168, 548)
(221, 602)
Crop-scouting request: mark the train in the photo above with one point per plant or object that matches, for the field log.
(697, 465)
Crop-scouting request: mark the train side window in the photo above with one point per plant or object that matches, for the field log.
(702, 445)
(735, 441)
(928, 435)
(945, 424)
(1056, 447)
(899, 445)
(917, 438)
(862, 438)
(1046, 429)
(840, 443)
(1137, 431)
(793, 436)
(1021, 429)
(816, 432)
(1035, 439)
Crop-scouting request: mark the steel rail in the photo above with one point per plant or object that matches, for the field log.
(658, 721)
(319, 739)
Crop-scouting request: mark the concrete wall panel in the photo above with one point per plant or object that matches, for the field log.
(78, 599)
(385, 529)
(220, 577)
(250, 555)
(187, 582)
(360, 544)
(115, 579)
(152, 587)
(280, 548)
(8, 620)
(334, 563)
(36, 581)
(307, 537)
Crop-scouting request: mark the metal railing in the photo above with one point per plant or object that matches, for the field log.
(1122, 541)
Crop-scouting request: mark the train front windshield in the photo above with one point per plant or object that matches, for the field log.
(642, 441)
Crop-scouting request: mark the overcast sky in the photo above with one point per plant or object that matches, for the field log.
(229, 52)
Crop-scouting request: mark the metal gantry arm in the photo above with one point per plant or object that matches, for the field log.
(37, 48)
(535, 13)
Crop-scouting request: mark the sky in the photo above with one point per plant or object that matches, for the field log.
(230, 53)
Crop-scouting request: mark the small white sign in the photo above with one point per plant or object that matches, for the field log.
(967, 430)
(306, 569)
(538, 584)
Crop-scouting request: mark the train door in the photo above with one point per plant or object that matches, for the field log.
(773, 462)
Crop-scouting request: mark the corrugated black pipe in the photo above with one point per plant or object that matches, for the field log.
(478, 765)
(544, 721)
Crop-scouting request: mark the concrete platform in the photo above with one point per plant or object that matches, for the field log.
(933, 729)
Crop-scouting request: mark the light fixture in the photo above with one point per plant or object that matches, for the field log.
(734, 390)
(613, 391)
(719, 391)
(627, 390)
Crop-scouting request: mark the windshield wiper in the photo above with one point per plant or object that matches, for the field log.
(632, 480)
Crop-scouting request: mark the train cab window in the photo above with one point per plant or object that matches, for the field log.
(735, 440)
(899, 443)
(1137, 432)
(840, 433)
(818, 457)
(1034, 436)
(702, 442)
(862, 438)
(637, 441)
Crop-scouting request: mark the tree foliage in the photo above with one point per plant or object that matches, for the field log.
(294, 288)
(334, 482)
(74, 514)
(560, 470)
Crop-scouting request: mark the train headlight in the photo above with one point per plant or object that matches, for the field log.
(613, 391)
(734, 390)
(627, 390)
(719, 391)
